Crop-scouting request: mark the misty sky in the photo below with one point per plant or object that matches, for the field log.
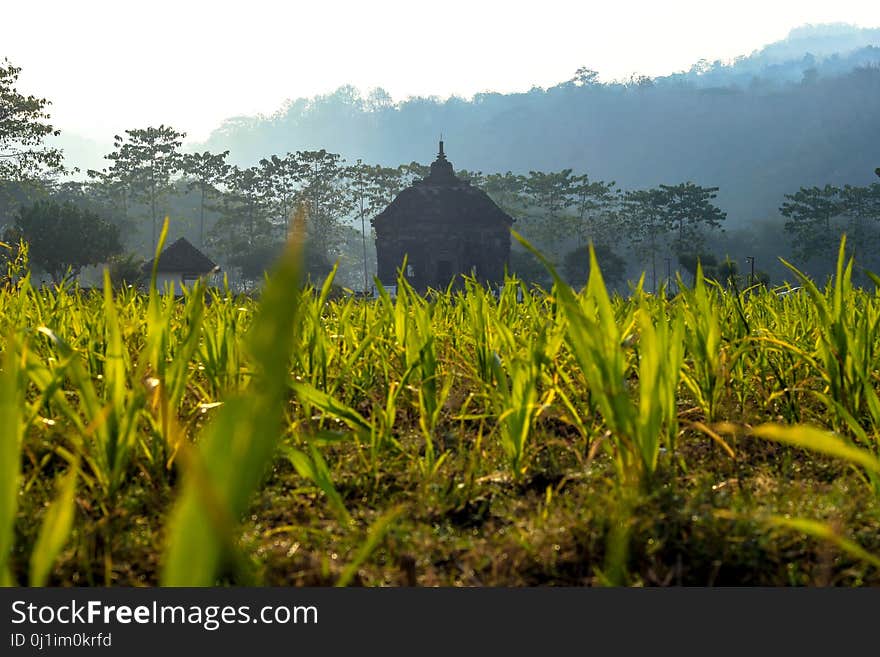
(111, 65)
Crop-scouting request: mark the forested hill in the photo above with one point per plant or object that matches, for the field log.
(800, 112)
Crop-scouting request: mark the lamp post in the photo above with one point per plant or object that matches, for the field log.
(751, 261)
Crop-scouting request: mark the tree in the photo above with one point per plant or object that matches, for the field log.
(63, 237)
(688, 211)
(552, 192)
(594, 204)
(506, 190)
(326, 197)
(728, 272)
(23, 127)
(205, 172)
(253, 262)
(810, 211)
(378, 100)
(576, 265)
(551, 195)
(707, 262)
(585, 77)
(126, 269)
(525, 266)
(111, 188)
(282, 179)
(147, 159)
(360, 176)
(412, 172)
(244, 233)
(862, 206)
(646, 225)
(475, 178)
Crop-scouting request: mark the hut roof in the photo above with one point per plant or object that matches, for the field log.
(441, 197)
(183, 257)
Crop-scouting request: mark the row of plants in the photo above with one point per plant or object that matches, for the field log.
(175, 419)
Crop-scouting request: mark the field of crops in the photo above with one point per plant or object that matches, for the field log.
(711, 437)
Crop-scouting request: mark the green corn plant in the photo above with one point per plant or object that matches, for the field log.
(597, 342)
(516, 405)
(105, 417)
(824, 442)
(12, 424)
(478, 323)
(414, 333)
(55, 529)
(58, 519)
(237, 446)
(705, 375)
(376, 434)
(165, 361)
(433, 387)
(313, 467)
(847, 347)
(375, 534)
(317, 348)
(171, 375)
(219, 351)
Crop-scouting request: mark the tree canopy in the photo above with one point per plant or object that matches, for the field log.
(23, 127)
(63, 237)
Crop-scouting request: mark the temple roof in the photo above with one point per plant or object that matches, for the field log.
(442, 172)
(442, 196)
(183, 257)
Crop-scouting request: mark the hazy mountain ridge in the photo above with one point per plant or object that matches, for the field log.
(828, 50)
(801, 111)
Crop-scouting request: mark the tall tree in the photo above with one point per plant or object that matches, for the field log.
(205, 172)
(413, 171)
(359, 177)
(552, 192)
(149, 158)
(328, 202)
(585, 77)
(549, 197)
(810, 212)
(23, 129)
(594, 204)
(112, 188)
(385, 183)
(244, 234)
(862, 206)
(507, 191)
(475, 178)
(282, 179)
(646, 225)
(689, 211)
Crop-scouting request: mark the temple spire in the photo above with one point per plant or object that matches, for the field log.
(441, 169)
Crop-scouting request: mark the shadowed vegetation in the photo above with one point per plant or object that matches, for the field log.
(713, 437)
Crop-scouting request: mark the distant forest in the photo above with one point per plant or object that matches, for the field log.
(771, 155)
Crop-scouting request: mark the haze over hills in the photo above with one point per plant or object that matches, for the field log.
(801, 111)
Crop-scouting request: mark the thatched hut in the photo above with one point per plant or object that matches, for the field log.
(180, 264)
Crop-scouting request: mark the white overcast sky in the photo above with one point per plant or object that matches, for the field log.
(112, 65)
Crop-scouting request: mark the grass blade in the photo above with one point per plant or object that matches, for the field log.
(239, 444)
(55, 530)
(10, 456)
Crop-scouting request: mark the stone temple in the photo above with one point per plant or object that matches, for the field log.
(446, 228)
